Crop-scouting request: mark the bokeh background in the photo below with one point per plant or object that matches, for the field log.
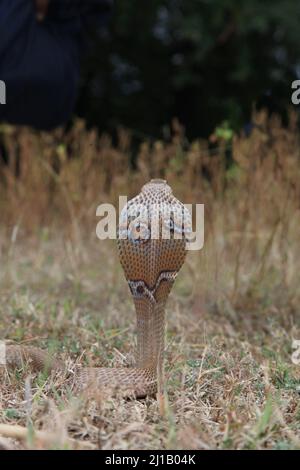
(202, 61)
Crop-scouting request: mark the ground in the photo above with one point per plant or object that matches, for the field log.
(233, 377)
(231, 380)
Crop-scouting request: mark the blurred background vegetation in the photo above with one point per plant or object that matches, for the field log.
(202, 61)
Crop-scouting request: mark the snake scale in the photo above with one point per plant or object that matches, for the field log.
(151, 239)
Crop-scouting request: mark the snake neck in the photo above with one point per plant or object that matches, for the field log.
(150, 335)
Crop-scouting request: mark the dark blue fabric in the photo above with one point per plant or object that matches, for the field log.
(39, 62)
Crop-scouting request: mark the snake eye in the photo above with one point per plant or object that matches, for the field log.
(138, 232)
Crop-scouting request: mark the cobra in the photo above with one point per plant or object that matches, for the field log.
(152, 236)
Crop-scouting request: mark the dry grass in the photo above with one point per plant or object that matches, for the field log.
(232, 315)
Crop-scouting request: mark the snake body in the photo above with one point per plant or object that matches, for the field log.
(152, 248)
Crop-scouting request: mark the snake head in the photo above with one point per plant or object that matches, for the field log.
(152, 234)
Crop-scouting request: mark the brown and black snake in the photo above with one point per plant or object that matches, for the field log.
(151, 241)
